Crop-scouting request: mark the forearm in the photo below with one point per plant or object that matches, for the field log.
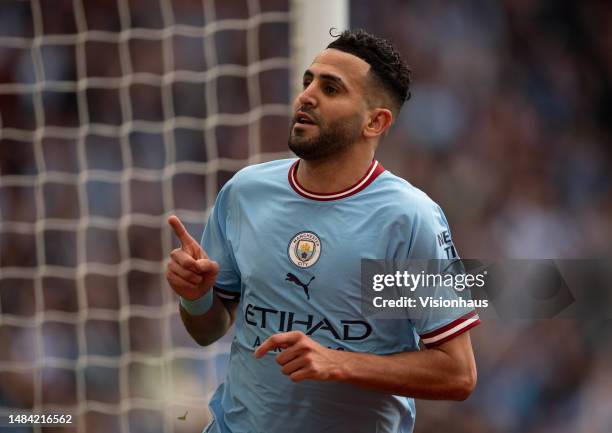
(430, 374)
(207, 328)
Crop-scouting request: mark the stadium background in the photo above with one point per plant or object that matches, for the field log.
(115, 114)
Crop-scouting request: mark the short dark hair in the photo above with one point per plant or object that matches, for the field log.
(386, 65)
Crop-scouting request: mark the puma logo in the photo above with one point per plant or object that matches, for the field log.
(296, 280)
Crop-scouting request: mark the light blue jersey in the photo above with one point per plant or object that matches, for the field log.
(292, 259)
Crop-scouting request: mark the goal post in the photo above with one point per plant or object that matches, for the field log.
(310, 32)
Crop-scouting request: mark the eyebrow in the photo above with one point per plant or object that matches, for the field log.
(327, 77)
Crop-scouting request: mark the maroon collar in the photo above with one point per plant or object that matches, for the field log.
(372, 173)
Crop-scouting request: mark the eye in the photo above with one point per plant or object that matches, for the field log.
(305, 83)
(330, 90)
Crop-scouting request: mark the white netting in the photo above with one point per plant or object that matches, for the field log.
(114, 115)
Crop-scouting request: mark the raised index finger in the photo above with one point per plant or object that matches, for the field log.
(284, 340)
(180, 231)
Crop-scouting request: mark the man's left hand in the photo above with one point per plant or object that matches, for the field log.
(303, 358)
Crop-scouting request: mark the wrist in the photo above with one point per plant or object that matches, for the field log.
(342, 367)
(199, 306)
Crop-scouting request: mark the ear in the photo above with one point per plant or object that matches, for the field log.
(379, 121)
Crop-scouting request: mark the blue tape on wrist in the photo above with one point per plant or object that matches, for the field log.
(199, 306)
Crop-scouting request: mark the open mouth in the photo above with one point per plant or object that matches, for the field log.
(303, 119)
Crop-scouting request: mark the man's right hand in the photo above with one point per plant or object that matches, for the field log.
(190, 272)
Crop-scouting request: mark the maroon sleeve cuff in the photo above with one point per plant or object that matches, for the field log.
(450, 331)
(227, 294)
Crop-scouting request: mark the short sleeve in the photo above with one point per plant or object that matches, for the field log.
(432, 240)
(217, 243)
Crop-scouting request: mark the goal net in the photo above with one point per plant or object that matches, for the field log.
(115, 114)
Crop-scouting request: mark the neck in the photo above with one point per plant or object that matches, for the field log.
(333, 175)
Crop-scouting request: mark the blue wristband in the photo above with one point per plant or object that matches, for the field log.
(199, 306)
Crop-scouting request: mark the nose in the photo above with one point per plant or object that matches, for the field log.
(307, 97)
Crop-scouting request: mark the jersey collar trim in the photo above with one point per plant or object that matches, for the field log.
(372, 173)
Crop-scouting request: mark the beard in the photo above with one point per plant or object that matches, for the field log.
(333, 139)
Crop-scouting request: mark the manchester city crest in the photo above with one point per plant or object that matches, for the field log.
(304, 249)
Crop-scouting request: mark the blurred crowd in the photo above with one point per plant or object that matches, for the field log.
(507, 129)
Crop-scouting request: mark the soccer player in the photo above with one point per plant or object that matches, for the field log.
(280, 257)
